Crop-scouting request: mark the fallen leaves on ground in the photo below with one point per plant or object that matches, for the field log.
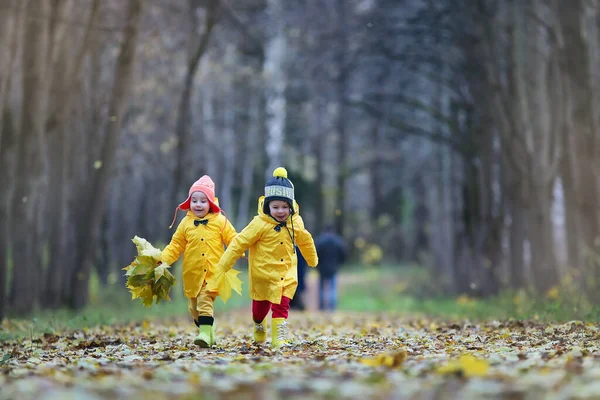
(334, 355)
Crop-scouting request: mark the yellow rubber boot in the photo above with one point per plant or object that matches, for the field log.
(260, 331)
(279, 332)
(204, 338)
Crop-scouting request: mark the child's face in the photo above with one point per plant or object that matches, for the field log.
(279, 209)
(199, 204)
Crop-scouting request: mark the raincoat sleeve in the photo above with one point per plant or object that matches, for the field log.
(306, 244)
(177, 245)
(229, 233)
(240, 243)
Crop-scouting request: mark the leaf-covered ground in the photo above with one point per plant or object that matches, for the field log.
(337, 355)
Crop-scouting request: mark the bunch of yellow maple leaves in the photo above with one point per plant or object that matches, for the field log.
(147, 278)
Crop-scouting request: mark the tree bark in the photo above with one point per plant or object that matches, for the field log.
(66, 76)
(27, 245)
(8, 49)
(318, 141)
(229, 145)
(341, 85)
(249, 162)
(92, 209)
(275, 87)
(584, 134)
(183, 113)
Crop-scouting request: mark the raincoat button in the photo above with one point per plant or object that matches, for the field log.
(202, 240)
(202, 254)
(282, 259)
(281, 278)
(204, 270)
(281, 242)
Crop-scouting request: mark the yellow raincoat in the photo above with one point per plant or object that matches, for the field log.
(272, 259)
(202, 247)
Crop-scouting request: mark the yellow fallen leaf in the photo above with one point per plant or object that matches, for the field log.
(466, 365)
(390, 360)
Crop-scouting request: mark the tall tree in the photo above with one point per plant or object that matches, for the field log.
(275, 85)
(92, 206)
(198, 43)
(30, 165)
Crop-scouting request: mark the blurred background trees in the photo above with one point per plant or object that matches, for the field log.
(460, 135)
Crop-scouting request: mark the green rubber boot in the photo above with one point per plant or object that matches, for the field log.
(206, 332)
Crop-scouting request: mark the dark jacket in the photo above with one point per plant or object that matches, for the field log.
(331, 251)
(302, 267)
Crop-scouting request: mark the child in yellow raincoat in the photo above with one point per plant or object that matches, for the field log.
(200, 237)
(271, 237)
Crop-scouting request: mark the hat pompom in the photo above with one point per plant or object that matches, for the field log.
(280, 172)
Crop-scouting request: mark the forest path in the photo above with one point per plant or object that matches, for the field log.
(334, 355)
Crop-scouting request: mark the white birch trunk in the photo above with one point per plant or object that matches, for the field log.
(208, 114)
(275, 85)
(228, 145)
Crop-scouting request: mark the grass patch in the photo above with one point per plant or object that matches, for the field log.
(111, 304)
(393, 289)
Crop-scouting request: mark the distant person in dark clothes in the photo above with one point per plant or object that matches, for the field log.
(331, 251)
(297, 302)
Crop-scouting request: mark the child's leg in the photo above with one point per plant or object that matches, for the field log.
(193, 309)
(206, 321)
(260, 309)
(206, 301)
(279, 325)
(281, 310)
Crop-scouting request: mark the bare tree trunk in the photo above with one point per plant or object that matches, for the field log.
(95, 198)
(8, 49)
(229, 146)
(67, 76)
(25, 207)
(516, 231)
(585, 135)
(317, 150)
(7, 129)
(183, 116)
(7, 54)
(275, 86)
(341, 94)
(209, 129)
(249, 163)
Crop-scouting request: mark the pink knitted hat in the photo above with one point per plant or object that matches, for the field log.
(205, 185)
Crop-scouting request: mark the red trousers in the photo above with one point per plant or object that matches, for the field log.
(261, 308)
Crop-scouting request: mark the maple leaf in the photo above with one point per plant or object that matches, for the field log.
(159, 271)
(224, 283)
(145, 249)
